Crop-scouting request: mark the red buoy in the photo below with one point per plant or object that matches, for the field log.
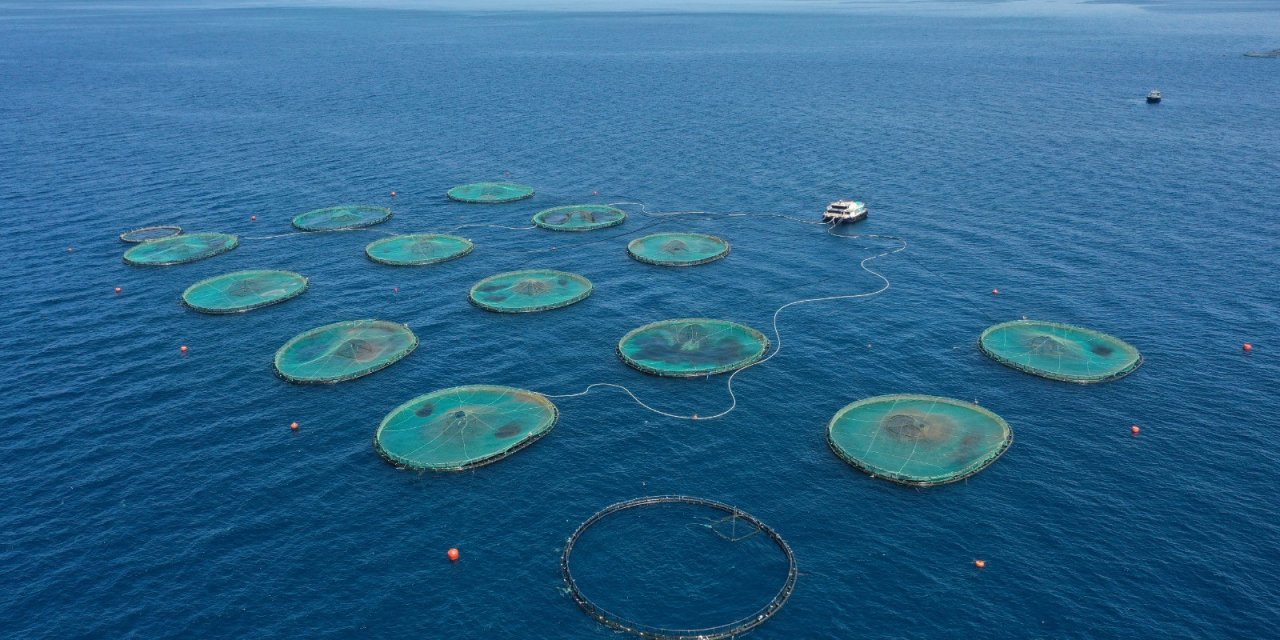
(118, 289)
(980, 563)
(293, 425)
(1248, 346)
(253, 218)
(1135, 429)
(184, 348)
(995, 292)
(454, 555)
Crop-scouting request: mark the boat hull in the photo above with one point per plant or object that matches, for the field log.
(850, 218)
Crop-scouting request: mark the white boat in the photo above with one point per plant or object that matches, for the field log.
(845, 211)
(1154, 97)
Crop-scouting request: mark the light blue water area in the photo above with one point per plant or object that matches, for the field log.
(144, 493)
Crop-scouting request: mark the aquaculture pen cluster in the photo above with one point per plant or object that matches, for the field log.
(913, 440)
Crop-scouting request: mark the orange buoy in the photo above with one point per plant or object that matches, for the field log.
(293, 425)
(995, 292)
(118, 289)
(454, 554)
(184, 348)
(1248, 346)
(1135, 429)
(979, 563)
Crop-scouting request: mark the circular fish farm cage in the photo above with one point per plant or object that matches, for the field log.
(678, 568)
(1059, 351)
(690, 347)
(180, 249)
(916, 440)
(343, 351)
(580, 217)
(418, 249)
(529, 291)
(678, 249)
(342, 218)
(146, 234)
(490, 192)
(243, 291)
(463, 427)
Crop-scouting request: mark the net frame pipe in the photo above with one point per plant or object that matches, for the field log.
(876, 472)
(478, 462)
(727, 630)
(176, 231)
(1115, 375)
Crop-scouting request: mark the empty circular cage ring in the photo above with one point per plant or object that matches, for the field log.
(243, 291)
(146, 234)
(1059, 351)
(490, 192)
(726, 630)
(180, 249)
(678, 249)
(580, 217)
(463, 427)
(342, 218)
(418, 249)
(529, 291)
(691, 347)
(343, 351)
(918, 440)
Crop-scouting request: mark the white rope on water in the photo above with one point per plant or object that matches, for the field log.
(777, 333)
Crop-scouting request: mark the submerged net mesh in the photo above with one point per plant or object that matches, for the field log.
(243, 290)
(1059, 351)
(354, 216)
(580, 217)
(918, 440)
(532, 290)
(692, 347)
(678, 249)
(677, 567)
(344, 351)
(418, 249)
(150, 233)
(490, 192)
(463, 427)
(180, 249)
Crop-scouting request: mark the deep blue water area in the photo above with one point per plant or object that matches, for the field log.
(146, 493)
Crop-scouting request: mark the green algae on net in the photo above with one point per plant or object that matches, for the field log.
(341, 218)
(180, 249)
(463, 427)
(678, 249)
(243, 291)
(689, 347)
(530, 290)
(418, 249)
(490, 192)
(918, 440)
(580, 217)
(1059, 351)
(343, 351)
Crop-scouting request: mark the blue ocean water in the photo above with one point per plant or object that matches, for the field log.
(144, 493)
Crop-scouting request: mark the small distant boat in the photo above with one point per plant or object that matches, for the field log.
(845, 211)
(1154, 97)
(1274, 53)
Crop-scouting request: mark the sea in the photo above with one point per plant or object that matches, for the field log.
(147, 492)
